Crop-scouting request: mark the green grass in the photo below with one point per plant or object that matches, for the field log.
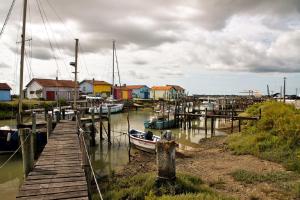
(275, 137)
(146, 186)
(251, 177)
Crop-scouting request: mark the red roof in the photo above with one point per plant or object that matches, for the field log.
(176, 87)
(96, 82)
(53, 83)
(162, 87)
(135, 86)
(4, 86)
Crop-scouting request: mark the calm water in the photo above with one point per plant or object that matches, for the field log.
(106, 159)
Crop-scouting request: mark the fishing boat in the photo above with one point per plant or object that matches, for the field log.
(10, 141)
(144, 141)
(159, 123)
(114, 108)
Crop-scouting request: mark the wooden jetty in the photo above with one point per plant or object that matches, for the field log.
(58, 173)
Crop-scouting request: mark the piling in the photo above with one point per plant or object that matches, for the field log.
(212, 126)
(205, 122)
(63, 114)
(240, 125)
(33, 138)
(232, 119)
(100, 123)
(165, 159)
(49, 126)
(108, 126)
(93, 129)
(25, 136)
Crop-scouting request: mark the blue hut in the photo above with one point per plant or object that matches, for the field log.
(5, 92)
(140, 91)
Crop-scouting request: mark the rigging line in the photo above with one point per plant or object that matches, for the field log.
(117, 62)
(57, 15)
(56, 43)
(52, 49)
(84, 61)
(13, 153)
(90, 163)
(7, 17)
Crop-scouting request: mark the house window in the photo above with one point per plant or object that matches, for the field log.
(83, 88)
(31, 92)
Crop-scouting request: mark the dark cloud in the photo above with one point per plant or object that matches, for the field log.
(135, 75)
(4, 65)
(140, 62)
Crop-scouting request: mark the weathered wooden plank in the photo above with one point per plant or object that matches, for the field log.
(58, 173)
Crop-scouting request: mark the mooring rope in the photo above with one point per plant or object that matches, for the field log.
(14, 153)
(90, 163)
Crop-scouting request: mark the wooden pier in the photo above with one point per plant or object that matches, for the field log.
(58, 173)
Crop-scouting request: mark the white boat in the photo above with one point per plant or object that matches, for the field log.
(144, 141)
(114, 108)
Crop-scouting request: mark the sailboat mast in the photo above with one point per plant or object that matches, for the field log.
(21, 94)
(113, 70)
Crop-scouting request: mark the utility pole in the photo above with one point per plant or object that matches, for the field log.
(284, 79)
(268, 90)
(22, 62)
(76, 72)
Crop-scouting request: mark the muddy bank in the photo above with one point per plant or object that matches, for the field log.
(214, 164)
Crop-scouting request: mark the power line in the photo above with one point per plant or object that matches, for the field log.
(7, 17)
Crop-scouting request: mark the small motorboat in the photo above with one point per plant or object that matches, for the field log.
(144, 141)
(9, 139)
(114, 108)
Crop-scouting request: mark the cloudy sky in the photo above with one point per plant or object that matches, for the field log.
(212, 47)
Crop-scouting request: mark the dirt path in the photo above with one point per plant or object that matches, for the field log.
(214, 163)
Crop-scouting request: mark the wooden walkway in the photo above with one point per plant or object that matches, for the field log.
(58, 173)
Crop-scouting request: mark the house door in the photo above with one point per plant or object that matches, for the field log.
(50, 95)
(146, 95)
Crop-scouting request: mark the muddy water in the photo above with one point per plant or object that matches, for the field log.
(106, 159)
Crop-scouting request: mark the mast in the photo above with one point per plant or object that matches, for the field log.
(113, 70)
(76, 59)
(21, 94)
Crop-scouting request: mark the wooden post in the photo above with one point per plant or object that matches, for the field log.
(240, 125)
(108, 126)
(129, 142)
(25, 136)
(205, 122)
(260, 113)
(212, 126)
(165, 159)
(63, 114)
(232, 120)
(93, 129)
(45, 113)
(33, 138)
(101, 123)
(49, 126)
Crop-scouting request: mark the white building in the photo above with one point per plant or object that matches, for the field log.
(50, 89)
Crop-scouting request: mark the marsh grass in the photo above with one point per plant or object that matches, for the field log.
(146, 186)
(275, 137)
(250, 177)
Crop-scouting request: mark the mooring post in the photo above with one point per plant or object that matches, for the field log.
(33, 138)
(129, 142)
(49, 126)
(45, 113)
(165, 159)
(101, 123)
(93, 129)
(232, 120)
(240, 125)
(259, 114)
(205, 122)
(25, 137)
(108, 126)
(63, 113)
(212, 126)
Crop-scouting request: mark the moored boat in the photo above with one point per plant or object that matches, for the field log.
(144, 141)
(114, 108)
